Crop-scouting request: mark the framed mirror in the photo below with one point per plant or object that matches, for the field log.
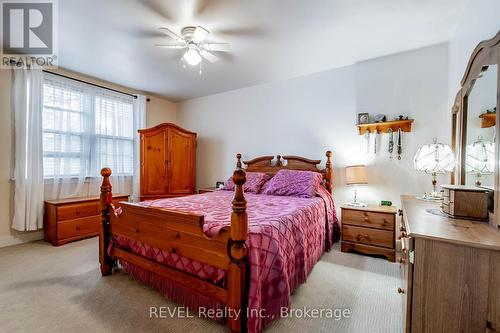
(474, 120)
(480, 129)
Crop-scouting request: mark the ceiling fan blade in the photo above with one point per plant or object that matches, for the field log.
(171, 46)
(201, 6)
(217, 47)
(158, 9)
(209, 56)
(171, 34)
(200, 34)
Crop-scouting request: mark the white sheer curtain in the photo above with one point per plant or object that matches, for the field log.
(28, 169)
(67, 128)
(139, 122)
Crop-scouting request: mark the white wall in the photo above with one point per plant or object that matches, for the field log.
(480, 21)
(311, 114)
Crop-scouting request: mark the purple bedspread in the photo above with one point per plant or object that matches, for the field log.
(286, 237)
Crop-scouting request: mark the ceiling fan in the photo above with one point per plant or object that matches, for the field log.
(194, 41)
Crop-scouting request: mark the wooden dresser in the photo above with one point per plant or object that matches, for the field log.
(450, 271)
(67, 220)
(369, 230)
(168, 161)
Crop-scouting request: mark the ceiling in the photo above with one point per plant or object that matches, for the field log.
(271, 40)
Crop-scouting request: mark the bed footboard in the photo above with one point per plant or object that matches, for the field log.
(182, 233)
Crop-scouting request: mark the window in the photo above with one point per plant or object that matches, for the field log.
(84, 129)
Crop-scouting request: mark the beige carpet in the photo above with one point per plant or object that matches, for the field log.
(60, 289)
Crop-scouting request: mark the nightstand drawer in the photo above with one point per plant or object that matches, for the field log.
(78, 227)
(368, 219)
(78, 210)
(368, 236)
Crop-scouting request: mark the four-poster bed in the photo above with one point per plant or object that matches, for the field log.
(180, 233)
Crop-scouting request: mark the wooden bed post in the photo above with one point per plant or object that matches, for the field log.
(237, 251)
(106, 200)
(329, 171)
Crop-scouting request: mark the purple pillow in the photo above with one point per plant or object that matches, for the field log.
(294, 183)
(254, 183)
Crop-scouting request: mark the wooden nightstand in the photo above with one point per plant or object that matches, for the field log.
(369, 230)
(206, 190)
(71, 219)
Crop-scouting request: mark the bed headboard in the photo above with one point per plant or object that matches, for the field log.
(290, 162)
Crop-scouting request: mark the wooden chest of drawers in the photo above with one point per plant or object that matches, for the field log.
(450, 271)
(369, 230)
(72, 219)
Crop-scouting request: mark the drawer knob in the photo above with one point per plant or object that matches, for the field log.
(401, 291)
(77, 212)
(367, 219)
(77, 228)
(361, 236)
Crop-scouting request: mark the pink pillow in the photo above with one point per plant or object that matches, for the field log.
(294, 183)
(254, 183)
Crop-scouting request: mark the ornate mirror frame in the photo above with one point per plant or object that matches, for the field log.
(486, 53)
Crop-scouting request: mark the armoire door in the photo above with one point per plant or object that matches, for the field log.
(154, 158)
(182, 159)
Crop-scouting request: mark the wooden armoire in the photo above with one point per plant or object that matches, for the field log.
(168, 161)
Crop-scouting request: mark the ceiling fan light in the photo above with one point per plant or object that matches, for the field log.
(192, 56)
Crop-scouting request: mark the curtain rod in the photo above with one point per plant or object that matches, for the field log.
(92, 84)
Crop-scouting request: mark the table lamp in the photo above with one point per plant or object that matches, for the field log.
(480, 159)
(435, 158)
(356, 175)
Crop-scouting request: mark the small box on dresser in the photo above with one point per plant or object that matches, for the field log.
(72, 219)
(369, 230)
(470, 202)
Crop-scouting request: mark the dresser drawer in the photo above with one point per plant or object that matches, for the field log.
(77, 210)
(78, 227)
(368, 236)
(368, 219)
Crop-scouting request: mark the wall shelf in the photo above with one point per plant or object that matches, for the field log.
(488, 120)
(383, 127)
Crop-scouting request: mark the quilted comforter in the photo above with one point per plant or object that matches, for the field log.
(287, 236)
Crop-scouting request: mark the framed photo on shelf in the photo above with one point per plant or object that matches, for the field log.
(363, 118)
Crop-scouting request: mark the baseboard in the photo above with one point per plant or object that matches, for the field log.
(20, 238)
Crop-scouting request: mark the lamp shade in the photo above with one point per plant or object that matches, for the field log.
(434, 158)
(356, 174)
(480, 157)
